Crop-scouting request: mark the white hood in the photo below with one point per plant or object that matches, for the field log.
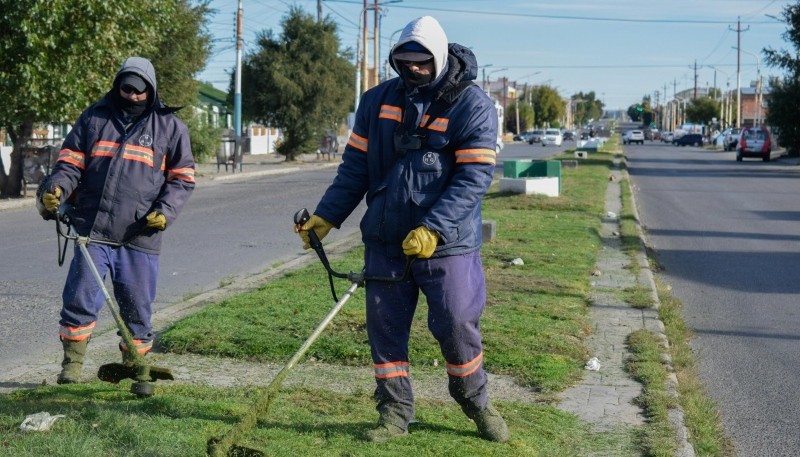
(427, 32)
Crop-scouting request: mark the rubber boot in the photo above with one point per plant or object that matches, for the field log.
(389, 426)
(490, 423)
(74, 352)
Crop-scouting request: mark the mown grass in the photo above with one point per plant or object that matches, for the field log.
(535, 319)
(103, 420)
(534, 329)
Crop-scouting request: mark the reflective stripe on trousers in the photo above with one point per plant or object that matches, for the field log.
(455, 289)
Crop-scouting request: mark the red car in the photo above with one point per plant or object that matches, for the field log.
(754, 142)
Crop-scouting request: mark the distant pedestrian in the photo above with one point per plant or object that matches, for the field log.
(422, 152)
(126, 169)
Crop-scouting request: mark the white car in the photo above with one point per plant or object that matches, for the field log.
(499, 145)
(633, 136)
(552, 136)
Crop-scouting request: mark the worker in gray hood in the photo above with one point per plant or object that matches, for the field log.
(126, 169)
(422, 153)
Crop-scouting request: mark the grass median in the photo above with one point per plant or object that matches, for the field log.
(534, 330)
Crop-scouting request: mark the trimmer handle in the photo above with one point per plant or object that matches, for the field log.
(300, 218)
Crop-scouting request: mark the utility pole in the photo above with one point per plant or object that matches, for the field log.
(376, 44)
(739, 69)
(364, 61)
(695, 79)
(319, 11)
(237, 95)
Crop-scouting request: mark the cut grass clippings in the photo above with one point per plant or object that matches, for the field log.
(534, 329)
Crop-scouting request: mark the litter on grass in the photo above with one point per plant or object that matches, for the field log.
(39, 422)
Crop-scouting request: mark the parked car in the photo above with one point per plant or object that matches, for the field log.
(552, 136)
(536, 136)
(667, 137)
(568, 135)
(754, 142)
(633, 136)
(731, 139)
(522, 136)
(690, 139)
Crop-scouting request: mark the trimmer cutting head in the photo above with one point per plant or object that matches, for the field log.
(144, 376)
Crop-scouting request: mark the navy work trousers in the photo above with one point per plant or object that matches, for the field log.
(133, 274)
(455, 289)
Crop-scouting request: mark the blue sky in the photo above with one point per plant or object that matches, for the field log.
(620, 49)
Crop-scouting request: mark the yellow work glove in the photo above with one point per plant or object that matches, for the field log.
(420, 242)
(51, 200)
(320, 226)
(157, 220)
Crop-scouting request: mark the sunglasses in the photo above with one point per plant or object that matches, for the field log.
(417, 63)
(128, 89)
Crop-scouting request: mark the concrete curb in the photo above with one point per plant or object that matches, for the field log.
(676, 415)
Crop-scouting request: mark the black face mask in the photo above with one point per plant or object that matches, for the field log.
(414, 79)
(130, 108)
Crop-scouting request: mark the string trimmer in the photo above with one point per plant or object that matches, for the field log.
(140, 372)
(225, 446)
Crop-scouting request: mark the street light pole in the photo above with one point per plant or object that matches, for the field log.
(757, 114)
(483, 68)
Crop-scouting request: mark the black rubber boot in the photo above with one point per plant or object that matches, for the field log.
(74, 352)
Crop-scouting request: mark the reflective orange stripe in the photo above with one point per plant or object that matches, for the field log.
(391, 112)
(358, 142)
(76, 333)
(138, 154)
(105, 149)
(391, 370)
(465, 369)
(184, 174)
(76, 158)
(439, 124)
(475, 155)
(141, 347)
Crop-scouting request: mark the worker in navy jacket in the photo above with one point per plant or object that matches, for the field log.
(422, 153)
(126, 169)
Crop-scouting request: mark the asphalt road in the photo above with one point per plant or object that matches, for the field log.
(726, 234)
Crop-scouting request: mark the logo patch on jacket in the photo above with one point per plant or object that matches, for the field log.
(145, 140)
(429, 158)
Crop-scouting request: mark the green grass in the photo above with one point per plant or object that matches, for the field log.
(103, 420)
(534, 329)
(535, 320)
(701, 414)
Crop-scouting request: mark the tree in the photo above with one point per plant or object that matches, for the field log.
(586, 107)
(58, 57)
(548, 106)
(702, 110)
(299, 81)
(183, 49)
(784, 98)
(525, 117)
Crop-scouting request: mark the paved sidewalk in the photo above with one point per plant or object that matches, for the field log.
(606, 397)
